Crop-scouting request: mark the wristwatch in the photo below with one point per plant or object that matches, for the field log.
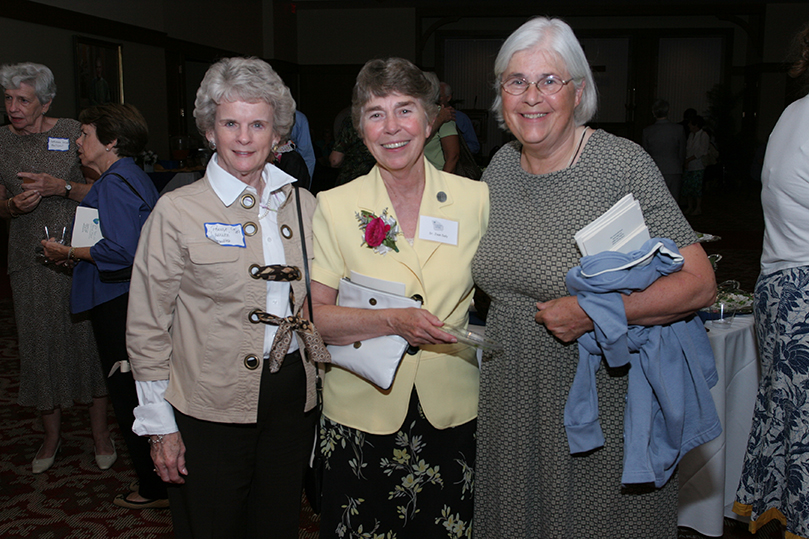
(68, 188)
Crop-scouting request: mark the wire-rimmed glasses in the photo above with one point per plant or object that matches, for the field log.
(547, 85)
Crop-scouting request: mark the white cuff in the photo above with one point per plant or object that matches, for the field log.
(154, 415)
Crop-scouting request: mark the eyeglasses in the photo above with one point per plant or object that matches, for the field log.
(547, 85)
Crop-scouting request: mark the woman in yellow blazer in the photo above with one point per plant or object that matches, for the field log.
(399, 461)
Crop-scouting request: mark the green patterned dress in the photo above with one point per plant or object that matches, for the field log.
(527, 483)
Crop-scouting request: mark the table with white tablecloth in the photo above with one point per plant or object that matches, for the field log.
(710, 473)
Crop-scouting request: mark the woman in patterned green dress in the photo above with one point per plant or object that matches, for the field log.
(558, 176)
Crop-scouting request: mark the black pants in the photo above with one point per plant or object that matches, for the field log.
(109, 326)
(246, 480)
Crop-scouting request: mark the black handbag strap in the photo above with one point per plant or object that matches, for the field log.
(305, 257)
(318, 381)
(133, 189)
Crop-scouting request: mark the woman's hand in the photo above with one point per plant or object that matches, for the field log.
(25, 202)
(346, 325)
(168, 455)
(564, 318)
(56, 252)
(418, 327)
(45, 184)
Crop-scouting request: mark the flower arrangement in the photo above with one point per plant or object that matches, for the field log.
(378, 233)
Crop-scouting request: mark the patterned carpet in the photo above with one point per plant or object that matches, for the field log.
(72, 500)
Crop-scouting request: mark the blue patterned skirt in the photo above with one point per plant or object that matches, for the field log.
(775, 477)
(416, 483)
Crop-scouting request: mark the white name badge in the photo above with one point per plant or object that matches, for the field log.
(437, 229)
(58, 144)
(227, 235)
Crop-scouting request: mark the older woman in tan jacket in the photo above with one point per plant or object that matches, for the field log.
(226, 400)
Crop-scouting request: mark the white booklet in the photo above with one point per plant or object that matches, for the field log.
(621, 228)
(86, 228)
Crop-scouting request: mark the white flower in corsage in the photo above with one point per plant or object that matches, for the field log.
(378, 233)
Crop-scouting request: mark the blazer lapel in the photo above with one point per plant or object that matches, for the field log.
(435, 202)
(373, 197)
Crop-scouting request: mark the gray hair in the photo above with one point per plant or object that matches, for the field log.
(36, 75)
(244, 79)
(380, 78)
(660, 108)
(557, 37)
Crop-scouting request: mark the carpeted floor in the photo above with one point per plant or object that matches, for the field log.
(73, 499)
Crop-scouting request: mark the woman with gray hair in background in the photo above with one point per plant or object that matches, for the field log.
(558, 176)
(40, 169)
(228, 401)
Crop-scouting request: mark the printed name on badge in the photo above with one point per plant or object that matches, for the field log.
(437, 229)
(58, 144)
(226, 235)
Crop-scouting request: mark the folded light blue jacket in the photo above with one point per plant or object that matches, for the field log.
(669, 408)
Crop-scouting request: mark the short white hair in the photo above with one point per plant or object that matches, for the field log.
(40, 77)
(246, 79)
(555, 36)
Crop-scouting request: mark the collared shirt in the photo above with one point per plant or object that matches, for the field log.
(155, 415)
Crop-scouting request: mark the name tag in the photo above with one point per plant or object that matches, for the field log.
(437, 229)
(227, 235)
(58, 144)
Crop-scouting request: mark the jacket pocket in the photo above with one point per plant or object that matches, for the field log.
(212, 253)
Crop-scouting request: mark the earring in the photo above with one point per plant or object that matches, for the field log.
(213, 144)
(108, 149)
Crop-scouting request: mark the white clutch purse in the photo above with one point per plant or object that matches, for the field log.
(377, 359)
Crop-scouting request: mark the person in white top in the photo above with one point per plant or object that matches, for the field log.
(775, 481)
(696, 147)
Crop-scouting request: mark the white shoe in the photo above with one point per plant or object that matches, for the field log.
(105, 462)
(43, 465)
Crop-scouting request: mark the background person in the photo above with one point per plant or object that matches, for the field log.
(111, 136)
(665, 142)
(443, 147)
(399, 462)
(775, 481)
(558, 176)
(695, 148)
(215, 259)
(462, 121)
(40, 169)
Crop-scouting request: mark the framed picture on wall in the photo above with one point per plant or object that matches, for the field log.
(99, 72)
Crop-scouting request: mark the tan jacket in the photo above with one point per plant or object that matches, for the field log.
(446, 376)
(190, 299)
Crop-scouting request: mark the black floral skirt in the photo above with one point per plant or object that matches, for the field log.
(418, 482)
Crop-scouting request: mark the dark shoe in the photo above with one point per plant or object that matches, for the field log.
(121, 501)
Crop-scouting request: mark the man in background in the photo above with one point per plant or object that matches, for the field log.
(665, 142)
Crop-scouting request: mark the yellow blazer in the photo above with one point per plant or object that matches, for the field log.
(446, 376)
